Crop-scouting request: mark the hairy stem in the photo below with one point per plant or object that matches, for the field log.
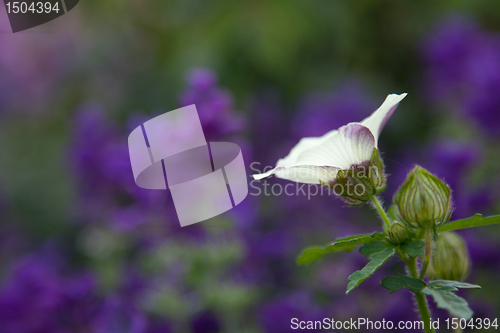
(423, 308)
(381, 212)
(428, 250)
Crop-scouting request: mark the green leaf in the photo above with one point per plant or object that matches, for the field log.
(374, 247)
(415, 248)
(455, 284)
(476, 221)
(393, 214)
(376, 260)
(345, 244)
(445, 299)
(395, 283)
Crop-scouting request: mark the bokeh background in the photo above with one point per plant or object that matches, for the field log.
(82, 249)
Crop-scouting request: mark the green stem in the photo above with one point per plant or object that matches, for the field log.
(423, 308)
(381, 212)
(428, 250)
(458, 329)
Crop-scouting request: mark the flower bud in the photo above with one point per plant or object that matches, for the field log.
(398, 233)
(451, 260)
(424, 201)
(358, 184)
(354, 186)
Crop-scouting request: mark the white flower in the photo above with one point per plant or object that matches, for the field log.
(318, 159)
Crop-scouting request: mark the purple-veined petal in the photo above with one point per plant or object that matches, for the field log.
(319, 158)
(351, 144)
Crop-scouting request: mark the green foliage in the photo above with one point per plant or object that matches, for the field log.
(395, 283)
(374, 247)
(446, 284)
(393, 214)
(377, 259)
(415, 248)
(447, 300)
(475, 221)
(312, 254)
(442, 292)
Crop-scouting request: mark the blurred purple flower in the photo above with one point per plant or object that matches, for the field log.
(214, 104)
(36, 297)
(275, 316)
(320, 113)
(205, 322)
(463, 70)
(269, 124)
(99, 156)
(117, 316)
(452, 160)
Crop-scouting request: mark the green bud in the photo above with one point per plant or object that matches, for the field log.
(424, 201)
(354, 186)
(451, 260)
(398, 233)
(358, 184)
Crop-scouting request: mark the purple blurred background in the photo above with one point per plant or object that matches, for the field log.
(83, 249)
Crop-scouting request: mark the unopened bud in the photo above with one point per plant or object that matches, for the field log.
(451, 260)
(424, 201)
(398, 233)
(355, 187)
(359, 183)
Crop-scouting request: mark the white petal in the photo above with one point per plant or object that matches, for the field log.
(379, 118)
(291, 159)
(315, 158)
(308, 174)
(351, 144)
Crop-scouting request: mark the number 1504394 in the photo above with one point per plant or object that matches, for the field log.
(33, 7)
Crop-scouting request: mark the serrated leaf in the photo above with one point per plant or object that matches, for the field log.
(375, 247)
(376, 260)
(345, 244)
(445, 299)
(454, 284)
(395, 283)
(415, 248)
(475, 221)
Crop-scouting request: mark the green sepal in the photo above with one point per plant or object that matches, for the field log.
(376, 261)
(447, 300)
(347, 244)
(395, 283)
(414, 248)
(350, 179)
(376, 172)
(475, 221)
